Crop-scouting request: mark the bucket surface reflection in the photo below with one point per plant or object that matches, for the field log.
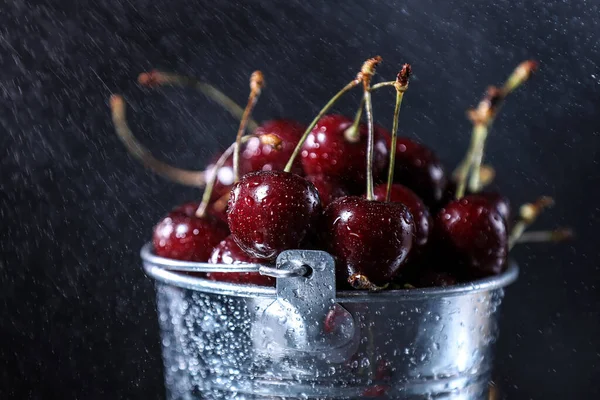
(408, 344)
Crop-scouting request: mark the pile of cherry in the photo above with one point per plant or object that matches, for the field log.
(382, 205)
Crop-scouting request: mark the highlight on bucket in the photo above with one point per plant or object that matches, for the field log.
(334, 260)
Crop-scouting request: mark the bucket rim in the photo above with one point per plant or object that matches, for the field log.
(156, 267)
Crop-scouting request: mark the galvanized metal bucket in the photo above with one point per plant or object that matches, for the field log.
(304, 340)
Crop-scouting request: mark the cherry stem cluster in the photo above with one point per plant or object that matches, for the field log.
(482, 119)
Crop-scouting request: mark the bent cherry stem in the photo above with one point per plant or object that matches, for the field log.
(157, 78)
(137, 150)
(172, 173)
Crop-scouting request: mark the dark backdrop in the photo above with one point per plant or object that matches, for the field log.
(78, 315)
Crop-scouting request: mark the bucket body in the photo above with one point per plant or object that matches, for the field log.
(223, 341)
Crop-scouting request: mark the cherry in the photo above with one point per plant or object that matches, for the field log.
(418, 168)
(260, 156)
(272, 211)
(228, 252)
(422, 218)
(429, 277)
(472, 236)
(327, 151)
(498, 202)
(329, 188)
(181, 235)
(370, 239)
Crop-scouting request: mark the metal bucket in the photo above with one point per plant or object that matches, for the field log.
(302, 340)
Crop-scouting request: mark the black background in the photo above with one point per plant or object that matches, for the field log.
(77, 313)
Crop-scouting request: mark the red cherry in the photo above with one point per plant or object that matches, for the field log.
(329, 188)
(272, 211)
(368, 238)
(497, 201)
(418, 168)
(183, 236)
(259, 156)
(228, 252)
(472, 236)
(422, 218)
(327, 151)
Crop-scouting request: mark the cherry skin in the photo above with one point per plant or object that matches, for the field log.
(228, 252)
(496, 200)
(272, 211)
(369, 238)
(422, 218)
(418, 168)
(263, 157)
(472, 236)
(329, 188)
(327, 151)
(183, 236)
(433, 278)
(499, 203)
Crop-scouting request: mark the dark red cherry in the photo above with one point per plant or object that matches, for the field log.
(327, 151)
(368, 238)
(272, 211)
(471, 236)
(431, 278)
(229, 253)
(497, 201)
(183, 236)
(418, 168)
(260, 156)
(329, 188)
(422, 218)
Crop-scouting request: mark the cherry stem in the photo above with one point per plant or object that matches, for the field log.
(359, 281)
(137, 150)
(366, 74)
(330, 103)
(270, 139)
(401, 86)
(257, 82)
(352, 133)
(528, 213)
(487, 175)
(158, 78)
(482, 119)
(383, 84)
(556, 235)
